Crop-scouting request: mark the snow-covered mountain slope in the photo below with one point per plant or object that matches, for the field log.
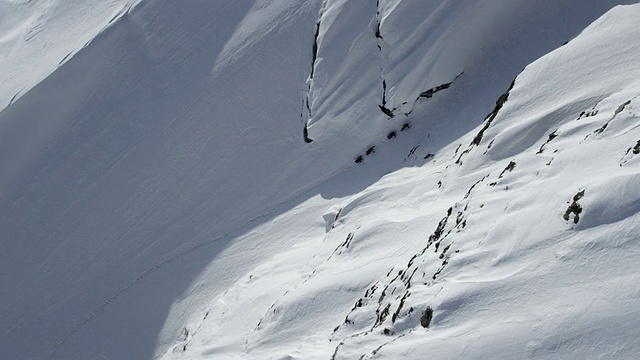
(317, 179)
(520, 239)
(38, 36)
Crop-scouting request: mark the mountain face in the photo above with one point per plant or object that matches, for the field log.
(306, 179)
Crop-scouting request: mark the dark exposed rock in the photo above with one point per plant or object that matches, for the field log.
(574, 208)
(620, 108)
(386, 111)
(552, 136)
(429, 93)
(492, 115)
(315, 48)
(305, 133)
(510, 167)
(427, 316)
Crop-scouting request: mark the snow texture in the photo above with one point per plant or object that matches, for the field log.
(160, 198)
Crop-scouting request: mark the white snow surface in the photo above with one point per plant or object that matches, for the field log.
(158, 199)
(37, 36)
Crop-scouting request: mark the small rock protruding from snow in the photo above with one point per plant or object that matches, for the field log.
(427, 316)
(574, 208)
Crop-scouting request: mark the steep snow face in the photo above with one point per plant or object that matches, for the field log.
(38, 36)
(188, 180)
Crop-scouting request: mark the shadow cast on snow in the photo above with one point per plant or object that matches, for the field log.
(90, 156)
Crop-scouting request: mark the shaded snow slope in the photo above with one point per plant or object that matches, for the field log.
(37, 36)
(158, 197)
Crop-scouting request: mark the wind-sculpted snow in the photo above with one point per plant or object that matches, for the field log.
(304, 179)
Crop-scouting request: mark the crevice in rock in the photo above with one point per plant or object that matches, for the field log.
(588, 113)
(379, 43)
(394, 317)
(429, 93)
(314, 58)
(615, 113)
(384, 93)
(492, 115)
(509, 168)
(620, 108)
(386, 111)
(305, 134)
(378, 34)
(384, 107)
(552, 136)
